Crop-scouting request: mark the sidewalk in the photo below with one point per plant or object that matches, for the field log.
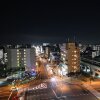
(87, 85)
(2, 79)
(92, 90)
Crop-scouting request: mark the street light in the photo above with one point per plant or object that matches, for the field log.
(53, 79)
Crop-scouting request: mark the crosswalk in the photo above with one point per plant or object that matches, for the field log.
(40, 86)
(39, 94)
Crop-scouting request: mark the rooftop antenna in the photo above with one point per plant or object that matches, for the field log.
(74, 38)
(68, 39)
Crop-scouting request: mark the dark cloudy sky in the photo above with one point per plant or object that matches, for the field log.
(29, 22)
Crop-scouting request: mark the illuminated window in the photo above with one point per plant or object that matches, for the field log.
(17, 53)
(64, 59)
(17, 59)
(18, 62)
(75, 51)
(25, 64)
(74, 59)
(24, 55)
(17, 50)
(75, 67)
(18, 65)
(62, 54)
(75, 55)
(24, 50)
(74, 62)
(6, 59)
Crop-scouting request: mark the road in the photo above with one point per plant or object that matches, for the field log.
(4, 92)
(58, 90)
(42, 91)
(48, 89)
(74, 91)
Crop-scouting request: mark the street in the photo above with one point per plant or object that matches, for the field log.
(54, 88)
(4, 92)
(58, 90)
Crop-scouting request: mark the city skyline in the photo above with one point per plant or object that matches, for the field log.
(50, 71)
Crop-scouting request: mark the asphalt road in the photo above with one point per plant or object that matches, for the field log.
(4, 93)
(58, 90)
(74, 92)
(42, 91)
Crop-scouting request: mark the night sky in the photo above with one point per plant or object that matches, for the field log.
(37, 22)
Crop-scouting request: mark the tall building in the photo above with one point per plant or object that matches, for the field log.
(46, 51)
(21, 57)
(63, 52)
(1, 56)
(73, 57)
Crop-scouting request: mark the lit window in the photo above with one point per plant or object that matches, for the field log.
(75, 51)
(73, 62)
(18, 62)
(25, 64)
(17, 59)
(75, 67)
(17, 53)
(17, 50)
(62, 54)
(24, 50)
(5, 59)
(63, 58)
(74, 58)
(18, 65)
(75, 55)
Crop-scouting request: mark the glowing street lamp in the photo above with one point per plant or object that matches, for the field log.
(53, 79)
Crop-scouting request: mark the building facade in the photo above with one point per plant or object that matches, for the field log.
(73, 57)
(21, 57)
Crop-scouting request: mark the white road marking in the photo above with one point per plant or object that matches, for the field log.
(55, 94)
(10, 95)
